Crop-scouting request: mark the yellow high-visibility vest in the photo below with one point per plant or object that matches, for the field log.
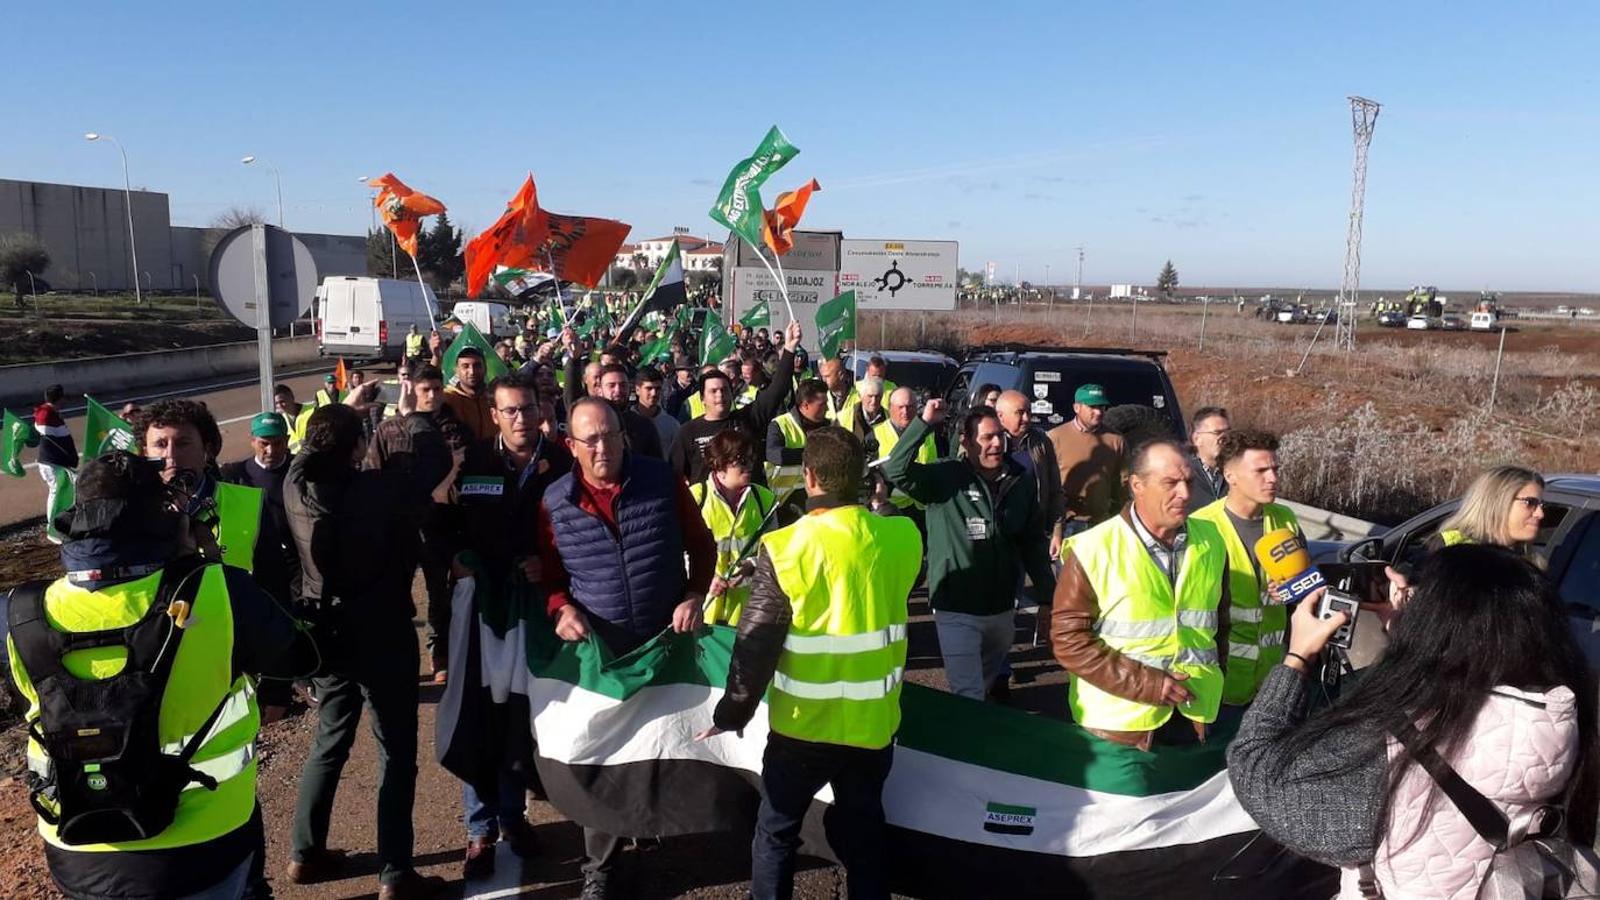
(732, 529)
(843, 412)
(200, 681)
(847, 574)
(1256, 629)
(1146, 618)
(785, 480)
(888, 437)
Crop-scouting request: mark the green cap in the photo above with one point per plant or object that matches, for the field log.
(268, 425)
(1091, 395)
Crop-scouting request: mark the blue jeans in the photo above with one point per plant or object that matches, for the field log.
(511, 804)
(791, 774)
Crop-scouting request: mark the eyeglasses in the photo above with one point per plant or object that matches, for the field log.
(597, 440)
(1533, 503)
(518, 412)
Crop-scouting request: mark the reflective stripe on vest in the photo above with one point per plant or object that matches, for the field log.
(238, 523)
(847, 574)
(201, 680)
(732, 530)
(842, 413)
(1251, 623)
(746, 397)
(1146, 619)
(888, 437)
(785, 480)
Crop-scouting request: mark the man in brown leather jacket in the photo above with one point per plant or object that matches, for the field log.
(1158, 480)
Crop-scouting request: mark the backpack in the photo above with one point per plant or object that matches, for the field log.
(108, 780)
(1533, 858)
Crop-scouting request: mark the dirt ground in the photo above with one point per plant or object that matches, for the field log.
(712, 867)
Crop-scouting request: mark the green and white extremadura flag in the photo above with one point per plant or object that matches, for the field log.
(836, 323)
(982, 800)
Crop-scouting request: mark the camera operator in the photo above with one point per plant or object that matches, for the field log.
(1482, 670)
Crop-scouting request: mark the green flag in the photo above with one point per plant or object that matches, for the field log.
(739, 205)
(104, 430)
(758, 316)
(471, 337)
(657, 350)
(836, 323)
(715, 341)
(19, 433)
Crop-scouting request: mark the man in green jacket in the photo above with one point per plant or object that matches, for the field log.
(985, 528)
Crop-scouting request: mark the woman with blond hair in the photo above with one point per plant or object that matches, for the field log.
(1504, 506)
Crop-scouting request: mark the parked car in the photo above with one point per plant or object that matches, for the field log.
(1392, 318)
(1419, 323)
(491, 319)
(1568, 546)
(1452, 323)
(924, 370)
(1143, 401)
(368, 318)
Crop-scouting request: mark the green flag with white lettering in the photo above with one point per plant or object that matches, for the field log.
(470, 336)
(739, 205)
(836, 323)
(757, 316)
(715, 341)
(104, 430)
(18, 433)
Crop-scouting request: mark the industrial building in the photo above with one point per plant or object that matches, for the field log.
(86, 231)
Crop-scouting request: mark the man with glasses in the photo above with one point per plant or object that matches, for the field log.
(1209, 425)
(612, 535)
(497, 510)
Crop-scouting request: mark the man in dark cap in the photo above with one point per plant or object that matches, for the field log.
(199, 633)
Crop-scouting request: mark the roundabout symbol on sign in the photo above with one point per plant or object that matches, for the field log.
(894, 275)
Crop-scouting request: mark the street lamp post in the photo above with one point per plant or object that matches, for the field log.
(277, 180)
(127, 202)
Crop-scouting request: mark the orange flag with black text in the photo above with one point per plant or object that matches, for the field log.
(778, 223)
(581, 248)
(402, 209)
(517, 240)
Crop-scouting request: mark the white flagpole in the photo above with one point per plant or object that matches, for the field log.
(433, 321)
(783, 287)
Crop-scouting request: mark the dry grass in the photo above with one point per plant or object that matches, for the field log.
(1399, 424)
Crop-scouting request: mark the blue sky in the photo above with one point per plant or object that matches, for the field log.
(1215, 134)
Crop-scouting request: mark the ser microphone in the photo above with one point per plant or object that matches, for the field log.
(1284, 559)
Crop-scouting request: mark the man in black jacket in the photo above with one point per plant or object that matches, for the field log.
(277, 562)
(687, 456)
(497, 515)
(357, 534)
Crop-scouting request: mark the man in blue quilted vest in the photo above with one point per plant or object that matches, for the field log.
(612, 537)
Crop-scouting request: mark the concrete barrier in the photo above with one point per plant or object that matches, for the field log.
(114, 376)
(1321, 525)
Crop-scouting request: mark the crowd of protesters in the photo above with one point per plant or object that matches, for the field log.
(629, 493)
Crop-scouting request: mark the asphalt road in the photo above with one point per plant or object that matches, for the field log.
(233, 402)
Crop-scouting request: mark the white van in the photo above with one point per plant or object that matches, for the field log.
(368, 318)
(491, 319)
(1485, 321)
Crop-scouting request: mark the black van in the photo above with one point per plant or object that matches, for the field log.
(1135, 381)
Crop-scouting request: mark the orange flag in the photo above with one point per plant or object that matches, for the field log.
(777, 223)
(516, 240)
(402, 209)
(340, 376)
(581, 248)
